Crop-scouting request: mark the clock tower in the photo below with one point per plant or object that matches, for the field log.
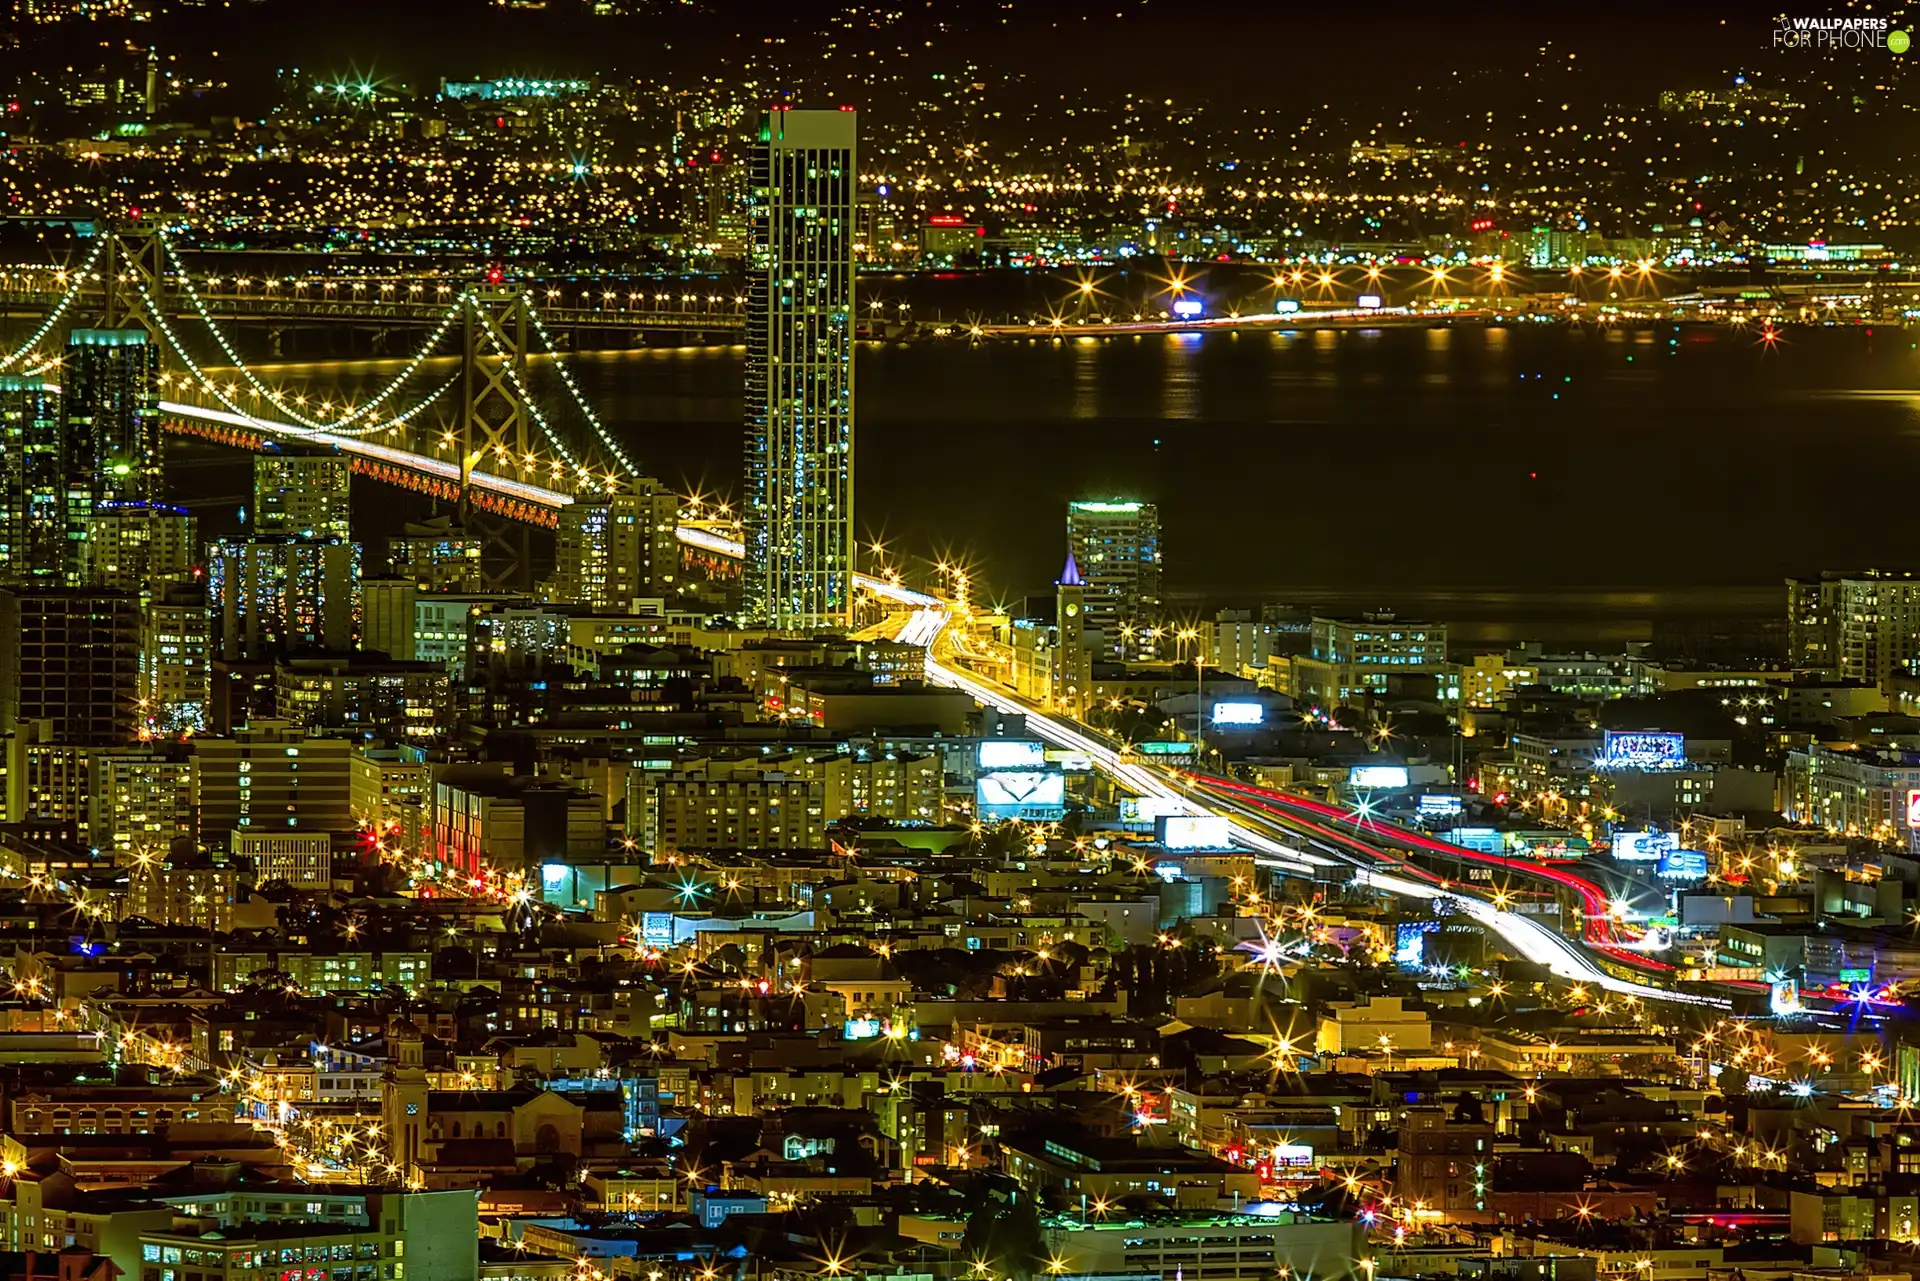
(1072, 660)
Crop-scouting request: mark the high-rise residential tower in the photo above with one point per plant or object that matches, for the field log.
(799, 397)
(1117, 547)
(1855, 625)
(41, 512)
(138, 547)
(111, 404)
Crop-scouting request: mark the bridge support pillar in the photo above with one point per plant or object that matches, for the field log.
(495, 427)
(135, 257)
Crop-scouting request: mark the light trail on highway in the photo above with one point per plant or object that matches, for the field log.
(1134, 776)
(1597, 917)
(1532, 940)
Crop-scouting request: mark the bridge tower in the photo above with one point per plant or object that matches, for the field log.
(495, 426)
(134, 257)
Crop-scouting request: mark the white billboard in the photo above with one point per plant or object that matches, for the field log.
(1011, 753)
(1377, 776)
(1150, 809)
(1643, 847)
(1193, 832)
(1035, 795)
(1239, 713)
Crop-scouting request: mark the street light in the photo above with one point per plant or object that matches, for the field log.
(1199, 706)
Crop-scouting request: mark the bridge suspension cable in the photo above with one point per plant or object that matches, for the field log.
(147, 277)
(586, 410)
(59, 308)
(213, 388)
(344, 425)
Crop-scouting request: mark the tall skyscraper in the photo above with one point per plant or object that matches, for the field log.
(110, 400)
(42, 499)
(73, 658)
(799, 399)
(1117, 547)
(299, 495)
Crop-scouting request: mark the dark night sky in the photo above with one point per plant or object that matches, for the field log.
(1210, 48)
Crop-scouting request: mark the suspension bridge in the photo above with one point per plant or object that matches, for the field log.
(479, 437)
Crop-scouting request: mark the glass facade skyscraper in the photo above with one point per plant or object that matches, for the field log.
(799, 396)
(42, 502)
(111, 404)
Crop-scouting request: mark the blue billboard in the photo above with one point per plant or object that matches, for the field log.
(1410, 943)
(1642, 750)
(1683, 865)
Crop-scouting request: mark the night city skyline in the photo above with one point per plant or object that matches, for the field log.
(651, 641)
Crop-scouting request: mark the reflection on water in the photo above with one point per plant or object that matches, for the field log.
(1467, 474)
(1489, 617)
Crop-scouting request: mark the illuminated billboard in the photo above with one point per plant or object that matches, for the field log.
(656, 929)
(1188, 308)
(1434, 805)
(1486, 840)
(1193, 832)
(1377, 776)
(1643, 847)
(1286, 306)
(1410, 943)
(1033, 795)
(1554, 845)
(1012, 753)
(1683, 865)
(1150, 809)
(1238, 713)
(1913, 809)
(1368, 302)
(1642, 750)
